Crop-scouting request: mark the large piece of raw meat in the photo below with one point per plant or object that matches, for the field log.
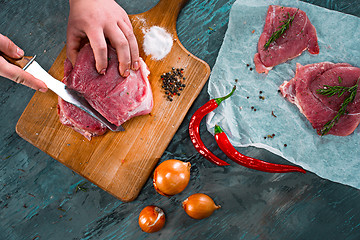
(116, 98)
(317, 108)
(299, 36)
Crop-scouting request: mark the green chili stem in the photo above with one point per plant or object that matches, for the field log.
(220, 99)
(218, 129)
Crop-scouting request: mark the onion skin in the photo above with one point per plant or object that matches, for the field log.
(199, 206)
(171, 177)
(151, 219)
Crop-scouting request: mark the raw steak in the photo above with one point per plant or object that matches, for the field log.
(116, 98)
(299, 36)
(317, 108)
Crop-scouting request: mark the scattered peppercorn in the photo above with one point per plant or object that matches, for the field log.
(270, 136)
(172, 82)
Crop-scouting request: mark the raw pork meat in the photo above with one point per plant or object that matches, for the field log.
(317, 108)
(116, 98)
(300, 35)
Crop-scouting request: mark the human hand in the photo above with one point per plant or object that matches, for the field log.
(98, 20)
(13, 72)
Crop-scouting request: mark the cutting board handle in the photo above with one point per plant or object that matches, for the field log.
(165, 13)
(171, 5)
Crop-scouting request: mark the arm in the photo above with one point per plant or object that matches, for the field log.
(99, 20)
(13, 72)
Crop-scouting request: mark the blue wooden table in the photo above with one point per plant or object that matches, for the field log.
(41, 199)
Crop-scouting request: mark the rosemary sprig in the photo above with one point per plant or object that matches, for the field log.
(80, 187)
(282, 29)
(332, 90)
(339, 90)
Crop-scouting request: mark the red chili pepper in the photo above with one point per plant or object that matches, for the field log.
(195, 133)
(249, 162)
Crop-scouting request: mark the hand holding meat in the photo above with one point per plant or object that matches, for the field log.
(98, 21)
(13, 72)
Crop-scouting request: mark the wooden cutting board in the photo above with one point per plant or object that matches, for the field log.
(120, 163)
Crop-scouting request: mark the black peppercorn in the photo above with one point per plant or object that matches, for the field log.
(172, 82)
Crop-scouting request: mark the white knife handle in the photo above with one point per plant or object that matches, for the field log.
(29, 65)
(55, 85)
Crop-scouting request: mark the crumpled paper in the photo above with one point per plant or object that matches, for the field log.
(257, 110)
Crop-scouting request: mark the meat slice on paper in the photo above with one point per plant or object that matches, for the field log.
(299, 36)
(116, 98)
(317, 108)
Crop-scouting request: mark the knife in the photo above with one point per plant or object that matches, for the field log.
(29, 64)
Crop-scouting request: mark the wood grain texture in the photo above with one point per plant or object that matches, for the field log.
(120, 163)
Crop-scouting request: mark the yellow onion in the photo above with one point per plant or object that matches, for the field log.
(199, 206)
(151, 219)
(171, 177)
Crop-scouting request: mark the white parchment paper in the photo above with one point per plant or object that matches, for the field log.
(331, 157)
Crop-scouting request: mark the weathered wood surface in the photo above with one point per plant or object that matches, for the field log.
(39, 196)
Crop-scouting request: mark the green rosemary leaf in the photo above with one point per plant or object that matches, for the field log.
(339, 90)
(80, 187)
(283, 28)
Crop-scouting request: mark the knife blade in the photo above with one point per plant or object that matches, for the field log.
(29, 64)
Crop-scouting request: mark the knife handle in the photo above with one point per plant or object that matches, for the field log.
(20, 62)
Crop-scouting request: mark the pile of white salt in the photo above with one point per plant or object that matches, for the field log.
(157, 42)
